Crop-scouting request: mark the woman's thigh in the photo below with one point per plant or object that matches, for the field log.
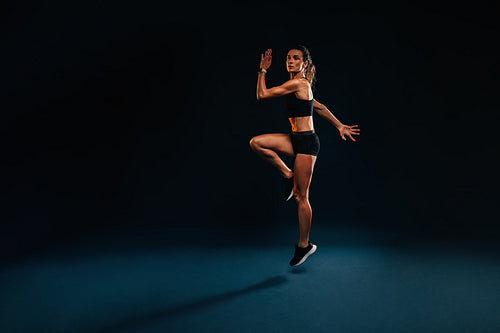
(277, 142)
(302, 171)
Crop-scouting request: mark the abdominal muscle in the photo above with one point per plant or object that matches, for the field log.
(302, 124)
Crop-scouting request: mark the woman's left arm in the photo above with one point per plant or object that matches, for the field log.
(286, 88)
(343, 129)
(264, 92)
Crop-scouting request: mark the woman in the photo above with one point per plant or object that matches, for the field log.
(302, 143)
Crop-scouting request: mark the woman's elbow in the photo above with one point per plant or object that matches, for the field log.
(261, 96)
(320, 108)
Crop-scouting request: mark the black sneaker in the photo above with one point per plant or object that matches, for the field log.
(301, 254)
(287, 188)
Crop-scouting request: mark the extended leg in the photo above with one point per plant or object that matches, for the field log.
(303, 170)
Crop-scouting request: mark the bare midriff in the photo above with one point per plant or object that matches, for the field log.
(301, 124)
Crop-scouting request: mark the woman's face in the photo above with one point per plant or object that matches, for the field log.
(295, 61)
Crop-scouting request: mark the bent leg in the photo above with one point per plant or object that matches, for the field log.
(268, 146)
(303, 170)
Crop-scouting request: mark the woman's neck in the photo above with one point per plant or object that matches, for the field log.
(298, 75)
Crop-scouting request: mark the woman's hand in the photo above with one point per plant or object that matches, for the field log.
(349, 131)
(265, 60)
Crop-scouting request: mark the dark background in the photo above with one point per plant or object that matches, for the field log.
(119, 114)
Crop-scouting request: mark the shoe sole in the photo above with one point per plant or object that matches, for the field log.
(290, 196)
(311, 251)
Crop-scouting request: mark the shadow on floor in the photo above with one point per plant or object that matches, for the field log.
(193, 306)
(297, 270)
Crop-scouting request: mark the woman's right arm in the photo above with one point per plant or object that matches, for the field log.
(325, 113)
(343, 129)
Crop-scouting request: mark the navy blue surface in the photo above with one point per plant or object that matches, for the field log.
(357, 281)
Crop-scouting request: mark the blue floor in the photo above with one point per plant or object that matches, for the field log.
(357, 281)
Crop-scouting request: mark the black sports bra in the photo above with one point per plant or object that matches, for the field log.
(298, 107)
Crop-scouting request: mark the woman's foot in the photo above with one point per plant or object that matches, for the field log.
(301, 254)
(287, 188)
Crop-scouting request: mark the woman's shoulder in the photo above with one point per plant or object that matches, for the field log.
(294, 85)
(304, 90)
(299, 83)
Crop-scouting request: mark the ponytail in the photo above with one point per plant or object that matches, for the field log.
(311, 73)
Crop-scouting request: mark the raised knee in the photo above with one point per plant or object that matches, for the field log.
(254, 143)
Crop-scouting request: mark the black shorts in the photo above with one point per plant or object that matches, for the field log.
(305, 143)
